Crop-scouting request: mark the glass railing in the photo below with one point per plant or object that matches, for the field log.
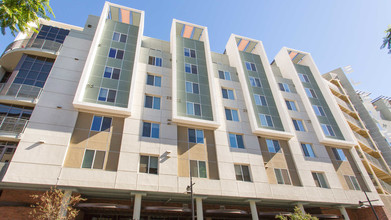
(336, 88)
(22, 91)
(3, 169)
(364, 141)
(34, 43)
(344, 104)
(375, 161)
(386, 186)
(12, 125)
(353, 120)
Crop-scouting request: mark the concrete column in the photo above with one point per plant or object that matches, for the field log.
(344, 213)
(200, 212)
(300, 205)
(64, 204)
(254, 211)
(137, 206)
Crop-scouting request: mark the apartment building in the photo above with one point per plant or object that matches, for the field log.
(127, 121)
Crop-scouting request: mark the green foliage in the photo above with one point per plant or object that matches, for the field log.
(48, 206)
(387, 40)
(297, 215)
(18, 15)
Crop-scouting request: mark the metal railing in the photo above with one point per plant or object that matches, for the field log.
(34, 43)
(364, 141)
(22, 91)
(3, 169)
(12, 125)
(375, 161)
(386, 186)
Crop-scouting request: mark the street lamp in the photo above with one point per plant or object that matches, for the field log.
(361, 203)
(189, 189)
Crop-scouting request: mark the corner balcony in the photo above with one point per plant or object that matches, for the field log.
(11, 128)
(39, 47)
(378, 167)
(20, 94)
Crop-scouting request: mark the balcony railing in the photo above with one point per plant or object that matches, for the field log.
(41, 44)
(12, 125)
(364, 141)
(375, 161)
(344, 104)
(22, 91)
(336, 88)
(3, 169)
(352, 120)
(386, 186)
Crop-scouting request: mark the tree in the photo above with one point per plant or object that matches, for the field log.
(387, 40)
(297, 215)
(50, 203)
(18, 15)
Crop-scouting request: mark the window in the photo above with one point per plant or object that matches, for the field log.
(190, 52)
(112, 73)
(154, 80)
(273, 146)
(52, 33)
(107, 95)
(100, 123)
(93, 159)
(338, 153)
(236, 140)
(310, 93)
(284, 87)
(151, 129)
(291, 105)
(34, 71)
(266, 120)
(196, 136)
(231, 114)
(282, 176)
(304, 78)
(308, 151)
(193, 108)
(255, 82)
(192, 87)
(7, 150)
(119, 37)
(224, 75)
(198, 168)
(155, 61)
(352, 182)
(320, 180)
(299, 126)
(242, 173)
(148, 164)
(318, 110)
(228, 93)
(152, 102)
(327, 130)
(260, 100)
(251, 66)
(116, 53)
(191, 68)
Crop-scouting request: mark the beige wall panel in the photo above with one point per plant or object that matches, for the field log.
(197, 152)
(183, 167)
(213, 171)
(112, 161)
(294, 177)
(102, 137)
(183, 150)
(93, 145)
(115, 142)
(278, 161)
(74, 158)
(79, 138)
(84, 120)
(117, 125)
(211, 149)
(209, 136)
(262, 144)
(182, 133)
(271, 176)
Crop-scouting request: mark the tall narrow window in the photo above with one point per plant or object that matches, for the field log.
(148, 164)
(242, 173)
(198, 169)
(236, 140)
(151, 129)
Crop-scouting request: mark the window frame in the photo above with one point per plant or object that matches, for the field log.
(286, 179)
(230, 93)
(189, 52)
(198, 169)
(319, 109)
(192, 87)
(304, 78)
(273, 146)
(318, 181)
(235, 137)
(224, 75)
(242, 173)
(254, 80)
(193, 108)
(353, 184)
(148, 168)
(119, 37)
(266, 116)
(156, 61)
(305, 147)
(339, 154)
(261, 99)
(251, 66)
(283, 88)
(154, 80)
(101, 123)
(116, 55)
(93, 159)
(328, 127)
(290, 103)
(297, 125)
(191, 67)
(310, 93)
(196, 137)
(151, 129)
(111, 72)
(106, 98)
(231, 114)
(154, 98)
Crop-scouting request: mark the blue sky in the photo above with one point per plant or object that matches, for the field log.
(337, 33)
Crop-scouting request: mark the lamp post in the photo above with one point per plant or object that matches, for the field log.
(189, 189)
(369, 201)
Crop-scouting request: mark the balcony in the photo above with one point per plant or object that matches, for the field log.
(386, 186)
(379, 167)
(365, 143)
(40, 47)
(21, 94)
(346, 107)
(3, 169)
(12, 127)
